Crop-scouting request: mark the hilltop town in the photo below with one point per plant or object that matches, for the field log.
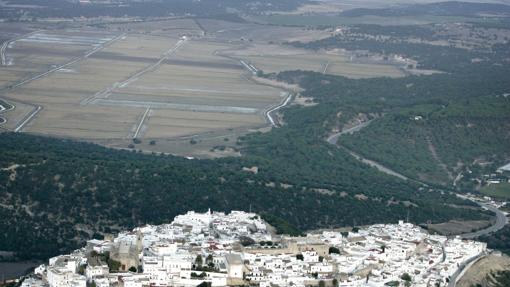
(240, 248)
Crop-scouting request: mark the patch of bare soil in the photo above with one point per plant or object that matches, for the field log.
(478, 272)
(304, 101)
(458, 227)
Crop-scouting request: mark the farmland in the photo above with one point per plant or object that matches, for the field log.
(166, 86)
(500, 190)
(325, 63)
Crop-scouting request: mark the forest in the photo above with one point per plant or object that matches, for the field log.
(419, 139)
(499, 240)
(56, 193)
(430, 128)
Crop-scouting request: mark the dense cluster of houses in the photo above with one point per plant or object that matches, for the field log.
(239, 248)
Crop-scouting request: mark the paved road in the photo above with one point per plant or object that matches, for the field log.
(268, 115)
(501, 221)
(462, 269)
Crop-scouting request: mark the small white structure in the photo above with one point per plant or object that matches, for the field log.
(235, 266)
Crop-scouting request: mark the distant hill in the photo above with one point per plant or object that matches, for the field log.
(449, 8)
(21, 9)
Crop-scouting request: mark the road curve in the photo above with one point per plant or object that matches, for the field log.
(501, 221)
(282, 104)
(463, 268)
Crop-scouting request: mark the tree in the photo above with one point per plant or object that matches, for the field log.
(246, 241)
(300, 257)
(333, 249)
(199, 261)
(81, 269)
(335, 282)
(132, 269)
(407, 278)
(322, 283)
(113, 265)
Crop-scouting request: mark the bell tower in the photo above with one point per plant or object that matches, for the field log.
(139, 241)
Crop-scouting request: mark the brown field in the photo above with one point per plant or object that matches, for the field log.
(272, 58)
(164, 27)
(136, 86)
(146, 80)
(90, 122)
(173, 123)
(458, 227)
(196, 91)
(321, 62)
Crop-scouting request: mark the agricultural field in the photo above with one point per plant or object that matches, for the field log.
(501, 190)
(316, 20)
(273, 59)
(108, 87)
(160, 86)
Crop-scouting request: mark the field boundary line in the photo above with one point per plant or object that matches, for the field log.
(141, 122)
(72, 62)
(326, 68)
(6, 44)
(105, 93)
(20, 127)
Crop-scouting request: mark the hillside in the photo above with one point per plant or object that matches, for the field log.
(56, 193)
(448, 8)
(31, 9)
(435, 142)
(431, 128)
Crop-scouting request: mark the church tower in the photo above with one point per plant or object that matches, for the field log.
(139, 241)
